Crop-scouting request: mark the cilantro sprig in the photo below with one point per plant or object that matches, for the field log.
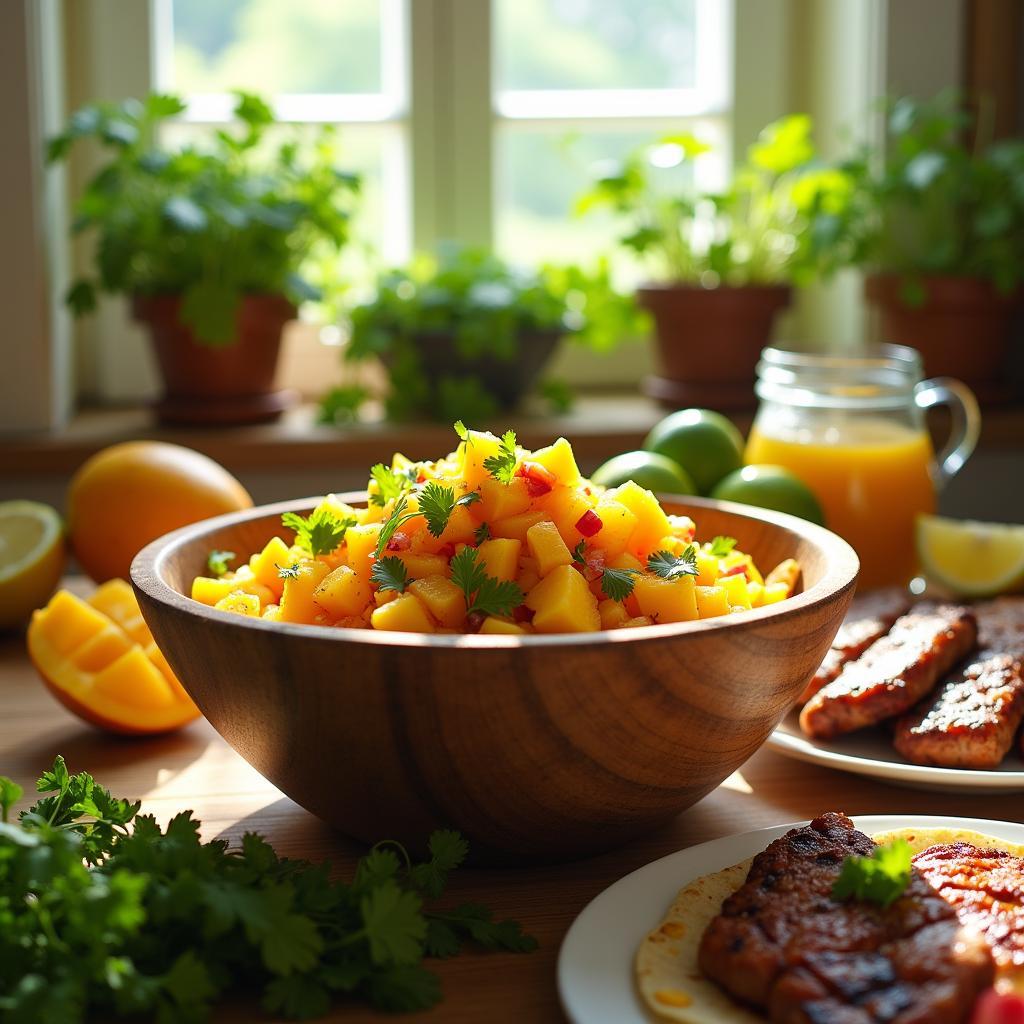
(721, 546)
(484, 594)
(217, 561)
(881, 878)
(618, 584)
(437, 503)
(502, 466)
(673, 567)
(391, 483)
(106, 915)
(320, 532)
(390, 574)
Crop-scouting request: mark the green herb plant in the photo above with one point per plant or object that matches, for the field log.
(485, 306)
(759, 230)
(243, 210)
(104, 914)
(940, 198)
(881, 878)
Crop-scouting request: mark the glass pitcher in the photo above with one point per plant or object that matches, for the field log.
(852, 427)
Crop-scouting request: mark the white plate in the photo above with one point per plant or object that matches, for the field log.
(870, 752)
(595, 964)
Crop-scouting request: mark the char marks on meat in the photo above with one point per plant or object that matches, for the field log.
(783, 945)
(870, 617)
(894, 673)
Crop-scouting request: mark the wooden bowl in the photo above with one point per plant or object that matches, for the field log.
(535, 747)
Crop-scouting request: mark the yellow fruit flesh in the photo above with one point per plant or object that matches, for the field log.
(31, 558)
(562, 603)
(972, 558)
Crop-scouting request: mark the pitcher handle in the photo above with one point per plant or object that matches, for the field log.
(963, 437)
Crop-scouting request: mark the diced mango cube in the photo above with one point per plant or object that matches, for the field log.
(442, 598)
(712, 601)
(666, 600)
(736, 591)
(239, 602)
(297, 603)
(342, 592)
(755, 591)
(361, 542)
(625, 561)
(500, 557)
(272, 613)
(515, 527)
(565, 506)
(652, 522)
(529, 575)
(618, 524)
(547, 547)
(265, 564)
(637, 620)
(404, 614)
(559, 459)
(707, 568)
(499, 501)
(383, 596)
(613, 613)
(774, 592)
(562, 603)
(786, 572)
(492, 624)
(418, 565)
(479, 447)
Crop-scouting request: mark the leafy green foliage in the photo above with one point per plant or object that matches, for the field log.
(881, 878)
(759, 231)
(482, 533)
(558, 394)
(103, 915)
(210, 221)
(503, 465)
(437, 503)
(484, 594)
(485, 306)
(463, 432)
(217, 561)
(931, 204)
(390, 484)
(721, 546)
(618, 584)
(320, 532)
(341, 405)
(399, 515)
(673, 567)
(579, 553)
(390, 574)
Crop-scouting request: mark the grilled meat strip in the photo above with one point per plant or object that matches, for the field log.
(986, 888)
(870, 617)
(972, 720)
(894, 673)
(783, 945)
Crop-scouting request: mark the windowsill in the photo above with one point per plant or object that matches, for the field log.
(599, 425)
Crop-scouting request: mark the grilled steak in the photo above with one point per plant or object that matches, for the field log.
(782, 944)
(869, 619)
(972, 720)
(986, 887)
(894, 673)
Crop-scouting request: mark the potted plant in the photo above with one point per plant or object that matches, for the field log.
(463, 334)
(939, 223)
(721, 265)
(208, 241)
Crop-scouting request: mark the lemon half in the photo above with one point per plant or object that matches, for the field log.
(974, 559)
(31, 558)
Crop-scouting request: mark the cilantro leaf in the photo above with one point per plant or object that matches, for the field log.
(460, 428)
(390, 574)
(477, 923)
(319, 533)
(881, 878)
(503, 465)
(447, 851)
(673, 567)
(721, 546)
(398, 516)
(482, 533)
(618, 584)
(579, 553)
(217, 561)
(391, 483)
(437, 502)
(10, 794)
(484, 594)
(394, 924)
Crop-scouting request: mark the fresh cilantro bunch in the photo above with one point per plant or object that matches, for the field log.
(104, 914)
(881, 878)
(211, 221)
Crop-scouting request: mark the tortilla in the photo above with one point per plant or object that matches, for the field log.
(667, 975)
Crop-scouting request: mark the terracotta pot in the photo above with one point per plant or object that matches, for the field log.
(506, 380)
(709, 341)
(231, 383)
(962, 328)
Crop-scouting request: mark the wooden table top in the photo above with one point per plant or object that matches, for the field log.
(196, 769)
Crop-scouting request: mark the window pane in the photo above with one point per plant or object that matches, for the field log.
(276, 46)
(542, 171)
(595, 44)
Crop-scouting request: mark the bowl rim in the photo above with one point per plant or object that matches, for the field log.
(841, 574)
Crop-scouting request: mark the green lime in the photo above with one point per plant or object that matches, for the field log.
(771, 487)
(655, 472)
(704, 443)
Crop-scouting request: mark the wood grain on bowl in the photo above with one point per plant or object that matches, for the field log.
(536, 747)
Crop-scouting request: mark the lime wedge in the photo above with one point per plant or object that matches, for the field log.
(974, 559)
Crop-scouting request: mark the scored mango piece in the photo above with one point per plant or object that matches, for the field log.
(500, 557)
(547, 547)
(116, 600)
(99, 671)
(404, 614)
(666, 600)
(442, 598)
(562, 603)
(342, 592)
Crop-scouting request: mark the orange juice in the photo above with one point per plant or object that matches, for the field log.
(872, 477)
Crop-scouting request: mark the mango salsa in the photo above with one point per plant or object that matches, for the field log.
(494, 539)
